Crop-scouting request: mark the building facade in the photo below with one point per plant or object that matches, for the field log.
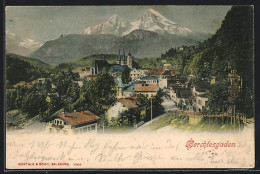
(73, 123)
(121, 105)
(148, 90)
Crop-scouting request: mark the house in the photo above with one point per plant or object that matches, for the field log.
(197, 91)
(182, 98)
(120, 88)
(149, 79)
(163, 82)
(136, 74)
(212, 80)
(126, 90)
(84, 72)
(117, 70)
(98, 66)
(73, 123)
(148, 90)
(167, 65)
(79, 82)
(154, 71)
(201, 102)
(121, 105)
(235, 85)
(52, 95)
(177, 81)
(24, 84)
(168, 73)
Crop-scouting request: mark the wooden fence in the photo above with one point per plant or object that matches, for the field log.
(226, 118)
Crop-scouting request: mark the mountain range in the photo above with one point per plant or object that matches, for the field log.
(148, 36)
(151, 20)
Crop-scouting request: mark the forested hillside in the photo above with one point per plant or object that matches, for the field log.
(231, 47)
(21, 70)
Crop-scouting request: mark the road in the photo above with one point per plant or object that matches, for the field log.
(168, 106)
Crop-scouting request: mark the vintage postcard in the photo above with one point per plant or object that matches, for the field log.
(129, 87)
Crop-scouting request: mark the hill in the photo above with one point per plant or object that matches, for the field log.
(32, 61)
(74, 46)
(231, 48)
(140, 43)
(20, 70)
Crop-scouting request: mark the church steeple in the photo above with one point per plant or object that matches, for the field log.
(119, 58)
(124, 59)
(129, 60)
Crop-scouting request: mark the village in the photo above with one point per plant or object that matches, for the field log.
(181, 93)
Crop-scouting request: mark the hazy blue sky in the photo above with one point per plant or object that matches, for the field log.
(46, 23)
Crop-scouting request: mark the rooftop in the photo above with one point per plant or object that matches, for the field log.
(146, 88)
(148, 78)
(77, 118)
(184, 93)
(118, 68)
(155, 71)
(130, 102)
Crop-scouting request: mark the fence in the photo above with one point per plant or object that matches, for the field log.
(235, 120)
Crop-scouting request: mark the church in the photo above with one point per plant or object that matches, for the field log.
(125, 60)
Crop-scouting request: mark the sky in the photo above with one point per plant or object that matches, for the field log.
(48, 23)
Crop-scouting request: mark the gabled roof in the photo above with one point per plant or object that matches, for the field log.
(77, 118)
(202, 86)
(155, 71)
(168, 73)
(130, 102)
(146, 87)
(118, 68)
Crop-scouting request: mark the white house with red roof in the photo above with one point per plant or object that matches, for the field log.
(73, 123)
(148, 90)
(125, 104)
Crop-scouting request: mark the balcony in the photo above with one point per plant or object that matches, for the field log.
(57, 126)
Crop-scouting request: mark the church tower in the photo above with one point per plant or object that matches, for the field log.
(129, 60)
(119, 58)
(124, 59)
(119, 88)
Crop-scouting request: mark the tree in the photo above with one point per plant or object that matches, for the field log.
(34, 103)
(54, 104)
(126, 77)
(96, 93)
(156, 104)
(218, 95)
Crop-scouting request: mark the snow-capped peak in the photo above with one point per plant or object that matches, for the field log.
(151, 20)
(158, 15)
(154, 21)
(113, 25)
(113, 18)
